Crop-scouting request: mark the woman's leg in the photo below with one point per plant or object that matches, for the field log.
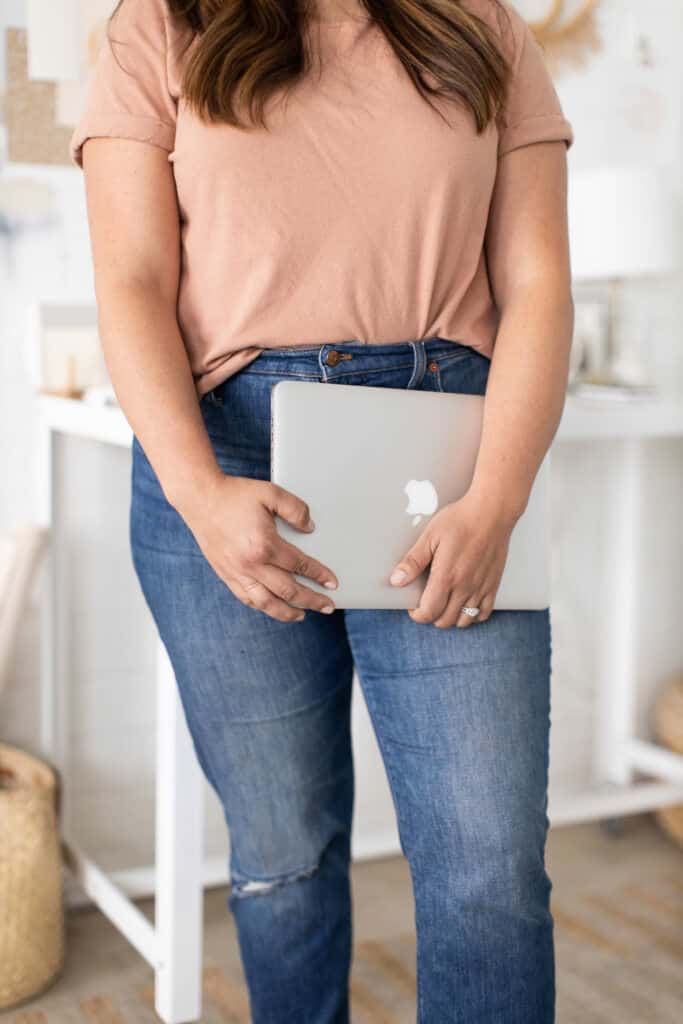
(462, 720)
(462, 717)
(268, 708)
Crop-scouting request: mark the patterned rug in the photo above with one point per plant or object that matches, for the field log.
(619, 956)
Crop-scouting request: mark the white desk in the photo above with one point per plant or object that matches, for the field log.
(173, 945)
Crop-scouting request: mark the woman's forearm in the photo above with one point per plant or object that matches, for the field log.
(525, 395)
(152, 379)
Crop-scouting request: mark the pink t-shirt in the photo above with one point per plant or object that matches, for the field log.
(359, 216)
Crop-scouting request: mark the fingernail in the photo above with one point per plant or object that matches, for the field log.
(328, 609)
(330, 584)
(311, 524)
(398, 576)
(299, 618)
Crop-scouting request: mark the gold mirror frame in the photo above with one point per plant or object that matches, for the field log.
(568, 39)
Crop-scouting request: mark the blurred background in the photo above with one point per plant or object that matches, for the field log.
(89, 729)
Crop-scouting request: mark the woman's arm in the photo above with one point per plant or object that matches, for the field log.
(529, 267)
(134, 232)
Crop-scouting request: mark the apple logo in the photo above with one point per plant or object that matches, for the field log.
(422, 499)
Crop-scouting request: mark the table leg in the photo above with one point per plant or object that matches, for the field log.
(617, 680)
(54, 612)
(179, 852)
(45, 518)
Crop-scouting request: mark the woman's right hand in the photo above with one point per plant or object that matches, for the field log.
(234, 525)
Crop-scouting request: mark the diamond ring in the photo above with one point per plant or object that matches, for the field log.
(470, 610)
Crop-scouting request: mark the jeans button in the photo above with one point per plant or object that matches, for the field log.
(433, 367)
(332, 357)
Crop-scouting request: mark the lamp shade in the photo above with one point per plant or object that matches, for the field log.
(623, 222)
(53, 39)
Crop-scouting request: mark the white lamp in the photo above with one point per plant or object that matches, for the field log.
(623, 222)
(54, 39)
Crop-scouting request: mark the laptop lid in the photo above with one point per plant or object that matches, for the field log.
(374, 464)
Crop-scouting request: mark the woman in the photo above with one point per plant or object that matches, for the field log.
(371, 192)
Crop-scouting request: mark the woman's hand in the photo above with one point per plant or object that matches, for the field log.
(233, 523)
(467, 544)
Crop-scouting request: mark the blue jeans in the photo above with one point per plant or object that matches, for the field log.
(461, 715)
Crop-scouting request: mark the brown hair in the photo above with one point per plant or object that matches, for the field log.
(248, 50)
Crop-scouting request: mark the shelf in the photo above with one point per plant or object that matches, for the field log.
(78, 419)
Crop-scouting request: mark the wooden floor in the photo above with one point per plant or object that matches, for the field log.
(617, 903)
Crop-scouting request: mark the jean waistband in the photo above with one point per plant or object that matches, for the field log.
(332, 360)
(433, 344)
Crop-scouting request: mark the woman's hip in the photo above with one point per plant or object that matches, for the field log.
(237, 411)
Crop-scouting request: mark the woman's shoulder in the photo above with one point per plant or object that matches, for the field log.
(164, 31)
(154, 17)
(135, 12)
(504, 19)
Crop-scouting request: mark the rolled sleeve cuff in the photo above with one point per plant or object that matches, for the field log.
(121, 126)
(543, 128)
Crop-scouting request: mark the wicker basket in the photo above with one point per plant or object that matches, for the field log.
(32, 928)
(668, 720)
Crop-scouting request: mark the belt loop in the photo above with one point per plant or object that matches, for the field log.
(420, 363)
(324, 373)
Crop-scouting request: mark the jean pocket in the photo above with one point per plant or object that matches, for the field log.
(211, 408)
(273, 371)
(462, 372)
(213, 397)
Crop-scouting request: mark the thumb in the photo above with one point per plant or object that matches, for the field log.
(289, 507)
(413, 562)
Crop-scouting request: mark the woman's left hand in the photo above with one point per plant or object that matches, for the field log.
(467, 544)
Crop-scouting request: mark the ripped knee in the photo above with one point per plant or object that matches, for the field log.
(241, 886)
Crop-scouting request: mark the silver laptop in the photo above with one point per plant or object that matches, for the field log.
(374, 464)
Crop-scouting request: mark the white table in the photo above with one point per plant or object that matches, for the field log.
(173, 944)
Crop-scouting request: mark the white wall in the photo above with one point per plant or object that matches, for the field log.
(620, 114)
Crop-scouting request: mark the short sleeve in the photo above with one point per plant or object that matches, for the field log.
(533, 112)
(127, 93)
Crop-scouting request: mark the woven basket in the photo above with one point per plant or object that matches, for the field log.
(668, 720)
(32, 928)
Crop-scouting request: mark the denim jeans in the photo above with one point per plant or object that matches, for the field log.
(461, 716)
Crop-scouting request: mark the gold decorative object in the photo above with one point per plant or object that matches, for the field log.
(568, 33)
(70, 388)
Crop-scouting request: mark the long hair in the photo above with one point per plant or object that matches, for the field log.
(249, 50)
